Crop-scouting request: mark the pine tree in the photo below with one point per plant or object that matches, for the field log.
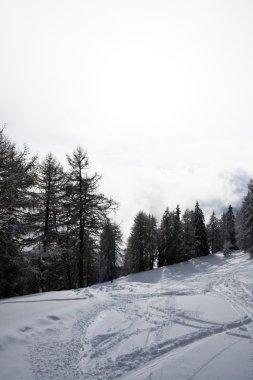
(244, 221)
(152, 240)
(141, 245)
(136, 254)
(178, 247)
(171, 238)
(214, 234)
(166, 254)
(110, 251)
(188, 231)
(229, 230)
(200, 247)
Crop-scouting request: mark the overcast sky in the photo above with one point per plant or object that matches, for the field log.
(160, 93)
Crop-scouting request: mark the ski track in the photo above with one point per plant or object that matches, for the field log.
(211, 359)
(99, 356)
(241, 300)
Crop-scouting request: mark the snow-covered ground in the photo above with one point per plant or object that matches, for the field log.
(187, 321)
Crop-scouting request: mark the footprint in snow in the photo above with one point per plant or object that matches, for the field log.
(53, 317)
(25, 328)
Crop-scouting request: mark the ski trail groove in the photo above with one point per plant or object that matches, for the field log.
(211, 359)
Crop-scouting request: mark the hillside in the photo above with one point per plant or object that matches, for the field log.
(187, 321)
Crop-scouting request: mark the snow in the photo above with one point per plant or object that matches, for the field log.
(187, 321)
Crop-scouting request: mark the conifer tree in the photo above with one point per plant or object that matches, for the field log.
(17, 180)
(178, 247)
(214, 233)
(166, 255)
(188, 231)
(110, 251)
(48, 224)
(51, 183)
(152, 240)
(88, 210)
(171, 239)
(136, 255)
(244, 221)
(142, 244)
(229, 229)
(200, 246)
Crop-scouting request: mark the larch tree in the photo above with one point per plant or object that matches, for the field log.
(88, 209)
(48, 223)
(51, 183)
(17, 181)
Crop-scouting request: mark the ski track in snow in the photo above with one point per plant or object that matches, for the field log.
(120, 327)
(211, 359)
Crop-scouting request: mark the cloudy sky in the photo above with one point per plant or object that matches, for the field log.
(159, 92)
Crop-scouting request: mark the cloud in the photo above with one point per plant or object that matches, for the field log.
(239, 181)
(161, 99)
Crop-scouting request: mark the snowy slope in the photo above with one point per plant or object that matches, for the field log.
(188, 321)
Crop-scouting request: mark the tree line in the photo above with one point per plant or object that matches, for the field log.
(51, 221)
(57, 230)
(177, 239)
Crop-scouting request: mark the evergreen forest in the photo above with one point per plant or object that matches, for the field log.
(57, 229)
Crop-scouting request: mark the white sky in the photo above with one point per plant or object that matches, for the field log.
(159, 92)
